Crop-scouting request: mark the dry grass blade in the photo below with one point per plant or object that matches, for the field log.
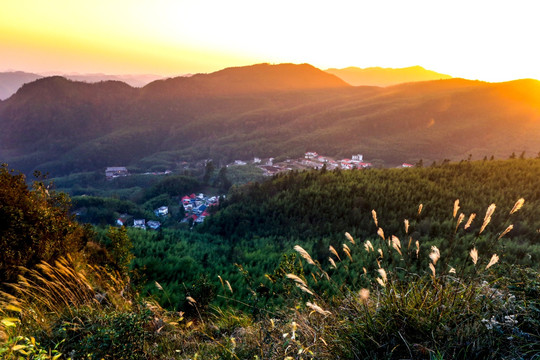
(417, 243)
(304, 254)
(318, 309)
(506, 231)
(380, 232)
(406, 222)
(460, 220)
(469, 222)
(332, 262)
(432, 268)
(487, 218)
(333, 251)
(382, 272)
(494, 259)
(474, 255)
(374, 215)
(297, 279)
(305, 289)
(420, 207)
(396, 244)
(517, 205)
(347, 251)
(228, 285)
(456, 208)
(364, 295)
(349, 237)
(368, 246)
(434, 255)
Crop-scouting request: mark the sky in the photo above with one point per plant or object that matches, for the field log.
(475, 39)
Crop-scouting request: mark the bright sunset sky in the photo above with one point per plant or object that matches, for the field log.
(476, 39)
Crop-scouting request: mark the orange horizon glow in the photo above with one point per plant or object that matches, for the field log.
(486, 40)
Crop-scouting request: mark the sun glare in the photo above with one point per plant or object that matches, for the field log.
(480, 40)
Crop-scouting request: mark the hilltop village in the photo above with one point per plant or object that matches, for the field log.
(196, 206)
(311, 160)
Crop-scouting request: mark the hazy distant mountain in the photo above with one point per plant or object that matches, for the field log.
(377, 76)
(61, 126)
(132, 80)
(10, 82)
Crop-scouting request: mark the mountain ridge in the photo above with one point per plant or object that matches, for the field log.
(62, 126)
(379, 76)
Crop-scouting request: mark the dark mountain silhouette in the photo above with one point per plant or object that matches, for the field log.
(377, 76)
(61, 126)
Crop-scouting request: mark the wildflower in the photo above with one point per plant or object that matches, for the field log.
(452, 271)
(517, 205)
(417, 243)
(380, 252)
(406, 222)
(420, 207)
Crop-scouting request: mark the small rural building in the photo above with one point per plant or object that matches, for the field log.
(114, 172)
(162, 211)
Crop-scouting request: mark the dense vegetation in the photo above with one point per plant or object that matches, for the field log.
(265, 111)
(436, 286)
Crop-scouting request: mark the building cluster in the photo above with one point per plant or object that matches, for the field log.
(196, 207)
(126, 219)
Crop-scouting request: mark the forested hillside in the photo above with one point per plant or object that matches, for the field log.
(278, 111)
(378, 263)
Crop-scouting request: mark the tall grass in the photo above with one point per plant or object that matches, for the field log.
(384, 297)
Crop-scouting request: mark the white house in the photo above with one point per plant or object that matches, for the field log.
(162, 211)
(358, 157)
(139, 223)
(311, 155)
